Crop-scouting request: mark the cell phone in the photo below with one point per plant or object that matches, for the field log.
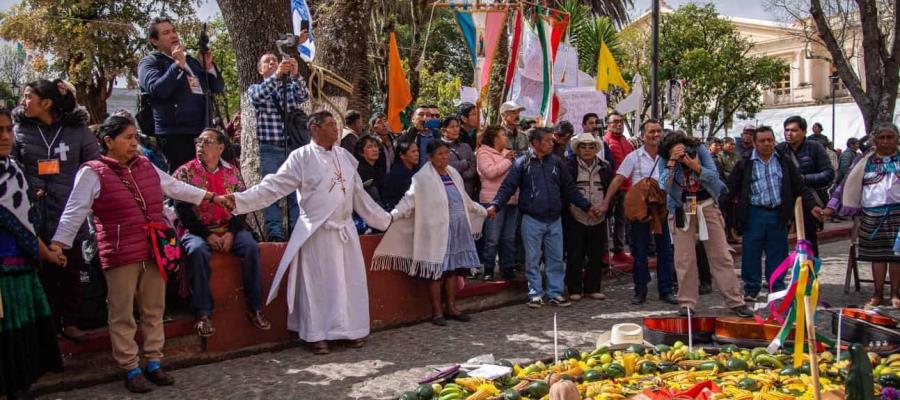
(304, 25)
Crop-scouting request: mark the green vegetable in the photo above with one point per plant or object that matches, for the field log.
(635, 348)
(537, 389)
(736, 364)
(710, 365)
(409, 395)
(511, 394)
(425, 392)
(571, 353)
(615, 370)
(748, 384)
(593, 375)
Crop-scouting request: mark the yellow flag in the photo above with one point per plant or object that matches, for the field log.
(398, 88)
(607, 70)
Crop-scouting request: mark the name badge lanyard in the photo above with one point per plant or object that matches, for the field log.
(49, 165)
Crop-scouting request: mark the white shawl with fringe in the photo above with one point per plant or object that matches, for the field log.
(417, 245)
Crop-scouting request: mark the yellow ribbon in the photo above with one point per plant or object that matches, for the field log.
(800, 321)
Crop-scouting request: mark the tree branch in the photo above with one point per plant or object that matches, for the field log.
(845, 71)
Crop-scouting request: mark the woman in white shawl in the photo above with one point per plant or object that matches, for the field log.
(439, 239)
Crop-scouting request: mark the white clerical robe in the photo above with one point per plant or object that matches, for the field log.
(327, 293)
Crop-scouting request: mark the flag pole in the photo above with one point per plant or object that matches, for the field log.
(808, 315)
(654, 62)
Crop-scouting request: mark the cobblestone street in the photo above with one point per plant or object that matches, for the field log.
(394, 359)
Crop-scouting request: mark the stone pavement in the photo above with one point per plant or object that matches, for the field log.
(395, 359)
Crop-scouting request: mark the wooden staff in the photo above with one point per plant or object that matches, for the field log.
(810, 325)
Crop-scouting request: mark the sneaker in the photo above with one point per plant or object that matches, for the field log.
(559, 301)
(536, 302)
(743, 311)
(622, 258)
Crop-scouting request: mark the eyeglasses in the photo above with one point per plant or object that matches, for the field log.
(204, 142)
(615, 121)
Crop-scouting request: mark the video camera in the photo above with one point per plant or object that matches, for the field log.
(691, 144)
(287, 44)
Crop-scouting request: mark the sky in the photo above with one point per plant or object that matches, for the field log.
(735, 8)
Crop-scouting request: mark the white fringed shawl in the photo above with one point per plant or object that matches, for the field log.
(417, 245)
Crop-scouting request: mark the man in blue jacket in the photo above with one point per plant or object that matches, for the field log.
(815, 166)
(178, 86)
(543, 182)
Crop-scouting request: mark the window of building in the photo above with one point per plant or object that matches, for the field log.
(783, 87)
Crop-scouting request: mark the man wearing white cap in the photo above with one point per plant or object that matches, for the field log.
(516, 140)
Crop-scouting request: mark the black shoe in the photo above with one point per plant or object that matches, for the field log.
(743, 311)
(458, 317)
(683, 312)
(439, 321)
(639, 298)
(159, 377)
(138, 384)
(668, 298)
(705, 289)
(23, 394)
(508, 275)
(751, 298)
(559, 301)
(536, 302)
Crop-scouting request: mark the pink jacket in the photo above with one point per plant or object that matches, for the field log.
(493, 166)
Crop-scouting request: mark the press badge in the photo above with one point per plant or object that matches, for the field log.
(691, 206)
(48, 167)
(194, 82)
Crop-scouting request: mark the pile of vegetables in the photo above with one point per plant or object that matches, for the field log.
(605, 374)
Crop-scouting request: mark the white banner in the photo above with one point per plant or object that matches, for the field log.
(575, 102)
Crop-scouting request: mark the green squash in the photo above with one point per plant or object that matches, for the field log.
(748, 384)
(409, 395)
(635, 348)
(593, 375)
(537, 389)
(511, 394)
(615, 370)
(425, 392)
(736, 364)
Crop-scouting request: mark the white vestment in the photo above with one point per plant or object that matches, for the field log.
(327, 293)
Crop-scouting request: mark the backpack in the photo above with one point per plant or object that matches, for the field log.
(296, 134)
(144, 115)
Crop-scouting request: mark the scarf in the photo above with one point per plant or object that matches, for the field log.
(417, 245)
(851, 198)
(14, 206)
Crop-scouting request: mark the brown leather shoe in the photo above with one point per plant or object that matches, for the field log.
(74, 334)
(259, 320)
(159, 377)
(358, 343)
(138, 384)
(319, 348)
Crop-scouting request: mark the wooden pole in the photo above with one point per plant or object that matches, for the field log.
(810, 324)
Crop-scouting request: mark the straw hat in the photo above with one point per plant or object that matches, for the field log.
(584, 138)
(622, 335)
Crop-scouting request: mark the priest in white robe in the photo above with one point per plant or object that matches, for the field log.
(327, 293)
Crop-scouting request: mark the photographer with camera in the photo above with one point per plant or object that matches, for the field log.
(688, 174)
(272, 107)
(175, 90)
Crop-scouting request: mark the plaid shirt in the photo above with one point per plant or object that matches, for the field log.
(765, 183)
(266, 99)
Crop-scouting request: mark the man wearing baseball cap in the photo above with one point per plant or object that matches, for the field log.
(517, 140)
(745, 147)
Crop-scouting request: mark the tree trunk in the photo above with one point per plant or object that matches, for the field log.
(343, 30)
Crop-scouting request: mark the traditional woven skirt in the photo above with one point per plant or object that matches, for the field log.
(28, 346)
(878, 229)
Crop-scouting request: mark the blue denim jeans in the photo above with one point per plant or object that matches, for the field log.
(766, 233)
(549, 234)
(270, 159)
(640, 248)
(500, 236)
(199, 272)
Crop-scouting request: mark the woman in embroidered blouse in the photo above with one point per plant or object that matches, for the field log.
(438, 243)
(871, 190)
(27, 334)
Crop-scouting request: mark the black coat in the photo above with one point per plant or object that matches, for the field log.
(813, 162)
(792, 186)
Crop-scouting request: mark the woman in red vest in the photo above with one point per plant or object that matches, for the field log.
(125, 193)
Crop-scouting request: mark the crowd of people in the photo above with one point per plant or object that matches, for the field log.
(453, 197)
